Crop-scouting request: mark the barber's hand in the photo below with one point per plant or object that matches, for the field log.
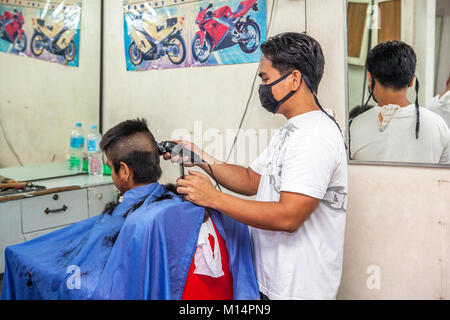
(186, 159)
(198, 189)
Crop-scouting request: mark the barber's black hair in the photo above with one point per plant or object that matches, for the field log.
(296, 51)
(393, 65)
(132, 142)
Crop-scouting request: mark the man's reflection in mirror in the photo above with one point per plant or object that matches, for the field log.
(440, 104)
(396, 130)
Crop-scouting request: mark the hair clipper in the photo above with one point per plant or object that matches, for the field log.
(178, 149)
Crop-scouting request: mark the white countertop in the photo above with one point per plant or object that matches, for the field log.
(52, 175)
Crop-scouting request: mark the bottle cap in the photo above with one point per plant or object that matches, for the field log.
(78, 124)
(94, 127)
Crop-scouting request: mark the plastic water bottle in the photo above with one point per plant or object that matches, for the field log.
(76, 149)
(94, 152)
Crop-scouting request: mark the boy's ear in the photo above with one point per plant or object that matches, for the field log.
(125, 172)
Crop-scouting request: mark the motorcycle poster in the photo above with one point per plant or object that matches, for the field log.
(42, 29)
(162, 34)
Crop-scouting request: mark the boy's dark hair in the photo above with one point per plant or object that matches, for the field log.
(392, 64)
(296, 51)
(132, 142)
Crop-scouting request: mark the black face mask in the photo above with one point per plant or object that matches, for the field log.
(371, 89)
(266, 96)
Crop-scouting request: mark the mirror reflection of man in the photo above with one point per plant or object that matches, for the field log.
(440, 104)
(397, 130)
(300, 180)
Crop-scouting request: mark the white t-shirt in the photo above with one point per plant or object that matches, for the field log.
(441, 106)
(307, 155)
(397, 142)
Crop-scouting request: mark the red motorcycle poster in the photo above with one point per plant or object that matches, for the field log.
(42, 29)
(163, 34)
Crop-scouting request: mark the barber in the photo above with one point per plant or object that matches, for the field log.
(297, 220)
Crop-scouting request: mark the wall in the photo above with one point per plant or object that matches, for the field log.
(41, 101)
(176, 99)
(397, 221)
(397, 216)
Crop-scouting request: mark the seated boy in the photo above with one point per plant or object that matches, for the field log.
(152, 245)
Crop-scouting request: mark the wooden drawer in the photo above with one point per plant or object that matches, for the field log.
(99, 196)
(54, 210)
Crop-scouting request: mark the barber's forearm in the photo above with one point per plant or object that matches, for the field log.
(263, 215)
(233, 177)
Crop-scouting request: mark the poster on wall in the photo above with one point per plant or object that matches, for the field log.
(162, 34)
(43, 29)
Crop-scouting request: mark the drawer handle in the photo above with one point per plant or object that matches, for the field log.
(64, 208)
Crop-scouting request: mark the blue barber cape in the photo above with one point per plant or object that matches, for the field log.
(137, 252)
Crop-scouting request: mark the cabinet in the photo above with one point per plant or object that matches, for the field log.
(64, 202)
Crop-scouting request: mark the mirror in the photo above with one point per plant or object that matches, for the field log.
(45, 91)
(390, 133)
